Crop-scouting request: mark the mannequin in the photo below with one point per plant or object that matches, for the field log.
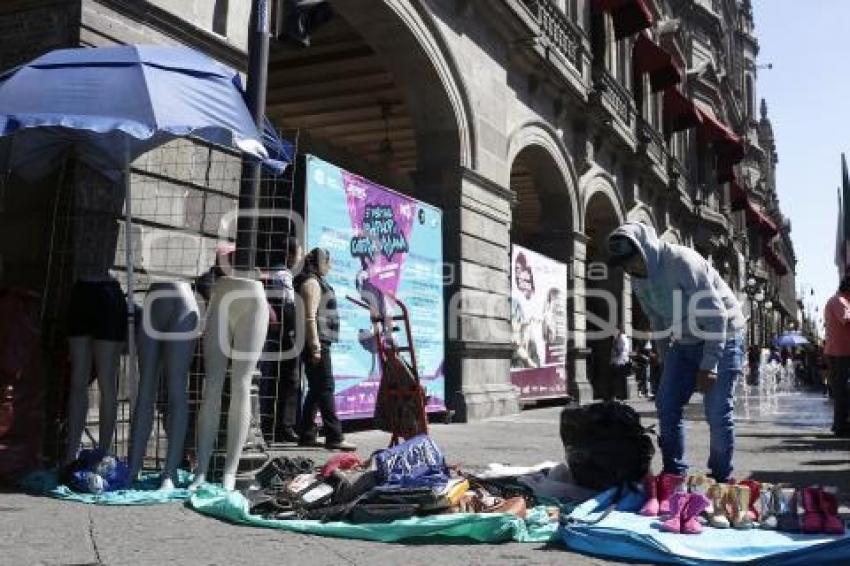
(97, 312)
(237, 322)
(166, 341)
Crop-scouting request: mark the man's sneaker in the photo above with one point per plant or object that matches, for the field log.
(340, 445)
(288, 434)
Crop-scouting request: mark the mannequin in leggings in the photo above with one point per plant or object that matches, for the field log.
(236, 326)
(166, 341)
(321, 320)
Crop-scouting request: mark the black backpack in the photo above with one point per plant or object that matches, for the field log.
(606, 445)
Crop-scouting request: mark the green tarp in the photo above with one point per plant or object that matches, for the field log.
(145, 491)
(485, 528)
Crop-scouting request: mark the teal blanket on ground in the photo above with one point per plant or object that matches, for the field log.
(625, 535)
(145, 491)
(487, 528)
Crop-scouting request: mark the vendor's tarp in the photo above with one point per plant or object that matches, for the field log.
(487, 528)
(145, 491)
(623, 535)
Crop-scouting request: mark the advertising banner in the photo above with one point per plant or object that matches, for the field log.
(538, 324)
(380, 242)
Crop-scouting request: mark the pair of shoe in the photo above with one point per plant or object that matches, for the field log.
(685, 509)
(820, 511)
(733, 505)
(659, 490)
(312, 442)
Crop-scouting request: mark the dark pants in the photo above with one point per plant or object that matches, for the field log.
(280, 391)
(618, 383)
(320, 397)
(839, 371)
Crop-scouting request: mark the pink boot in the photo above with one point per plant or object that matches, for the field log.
(650, 489)
(677, 504)
(832, 523)
(812, 518)
(696, 504)
(668, 485)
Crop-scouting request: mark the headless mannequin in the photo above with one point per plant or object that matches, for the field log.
(237, 322)
(170, 309)
(97, 308)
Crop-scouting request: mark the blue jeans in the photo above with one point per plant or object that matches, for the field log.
(678, 382)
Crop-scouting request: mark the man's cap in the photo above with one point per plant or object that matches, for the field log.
(620, 250)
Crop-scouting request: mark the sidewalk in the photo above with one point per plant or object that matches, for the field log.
(791, 444)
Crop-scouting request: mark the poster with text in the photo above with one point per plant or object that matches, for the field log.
(381, 242)
(538, 325)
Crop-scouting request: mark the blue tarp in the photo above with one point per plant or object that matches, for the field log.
(626, 535)
(106, 102)
(145, 491)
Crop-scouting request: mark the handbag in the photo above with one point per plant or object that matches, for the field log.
(417, 462)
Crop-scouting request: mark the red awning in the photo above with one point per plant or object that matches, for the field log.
(726, 142)
(649, 57)
(630, 16)
(679, 112)
(757, 217)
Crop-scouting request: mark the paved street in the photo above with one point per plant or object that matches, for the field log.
(789, 444)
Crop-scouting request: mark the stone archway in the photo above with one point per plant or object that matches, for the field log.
(544, 219)
(606, 293)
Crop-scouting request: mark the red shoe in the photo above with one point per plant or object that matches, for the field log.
(677, 503)
(832, 523)
(755, 495)
(696, 504)
(650, 489)
(668, 485)
(812, 518)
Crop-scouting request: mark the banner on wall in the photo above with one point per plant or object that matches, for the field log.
(538, 324)
(380, 242)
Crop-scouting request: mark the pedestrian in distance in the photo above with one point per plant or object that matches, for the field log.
(837, 351)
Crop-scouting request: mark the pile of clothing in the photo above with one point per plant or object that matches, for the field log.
(411, 479)
(687, 503)
(95, 472)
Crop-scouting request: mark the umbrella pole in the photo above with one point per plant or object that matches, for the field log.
(131, 303)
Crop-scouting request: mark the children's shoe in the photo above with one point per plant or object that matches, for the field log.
(677, 504)
(700, 484)
(694, 506)
(767, 511)
(755, 496)
(719, 495)
(787, 508)
(740, 499)
(650, 489)
(812, 521)
(668, 485)
(832, 523)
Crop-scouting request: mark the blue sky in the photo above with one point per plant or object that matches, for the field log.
(808, 43)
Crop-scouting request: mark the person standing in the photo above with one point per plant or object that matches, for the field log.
(621, 351)
(837, 351)
(685, 298)
(321, 319)
(280, 388)
(642, 369)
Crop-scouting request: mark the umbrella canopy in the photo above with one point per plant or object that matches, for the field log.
(790, 340)
(116, 103)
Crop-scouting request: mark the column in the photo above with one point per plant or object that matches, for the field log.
(578, 352)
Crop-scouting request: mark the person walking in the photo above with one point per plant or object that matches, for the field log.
(837, 351)
(621, 351)
(321, 319)
(685, 298)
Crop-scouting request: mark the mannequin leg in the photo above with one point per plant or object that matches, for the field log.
(215, 366)
(249, 333)
(80, 348)
(107, 355)
(142, 415)
(178, 358)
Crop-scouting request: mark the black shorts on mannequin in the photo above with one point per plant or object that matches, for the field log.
(98, 309)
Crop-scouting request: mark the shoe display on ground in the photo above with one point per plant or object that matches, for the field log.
(832, 523)
(668, 485)
(719, 495)
(812, 521)
(767, 505)
(650, 489)
(787, 504)
(740, 499)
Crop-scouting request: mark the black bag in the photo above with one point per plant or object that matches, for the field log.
(606, 445)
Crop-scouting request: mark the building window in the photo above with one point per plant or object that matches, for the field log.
(750, 94)
(220, 10)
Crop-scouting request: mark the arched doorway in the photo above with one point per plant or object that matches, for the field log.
(604, 302)
(542, 317)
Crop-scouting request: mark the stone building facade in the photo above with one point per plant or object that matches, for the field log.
(544, 123)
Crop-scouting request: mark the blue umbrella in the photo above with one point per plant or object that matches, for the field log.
(790, 340)
(113, 104)
(110, 105)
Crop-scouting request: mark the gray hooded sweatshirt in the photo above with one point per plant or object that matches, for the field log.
(683, 295)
